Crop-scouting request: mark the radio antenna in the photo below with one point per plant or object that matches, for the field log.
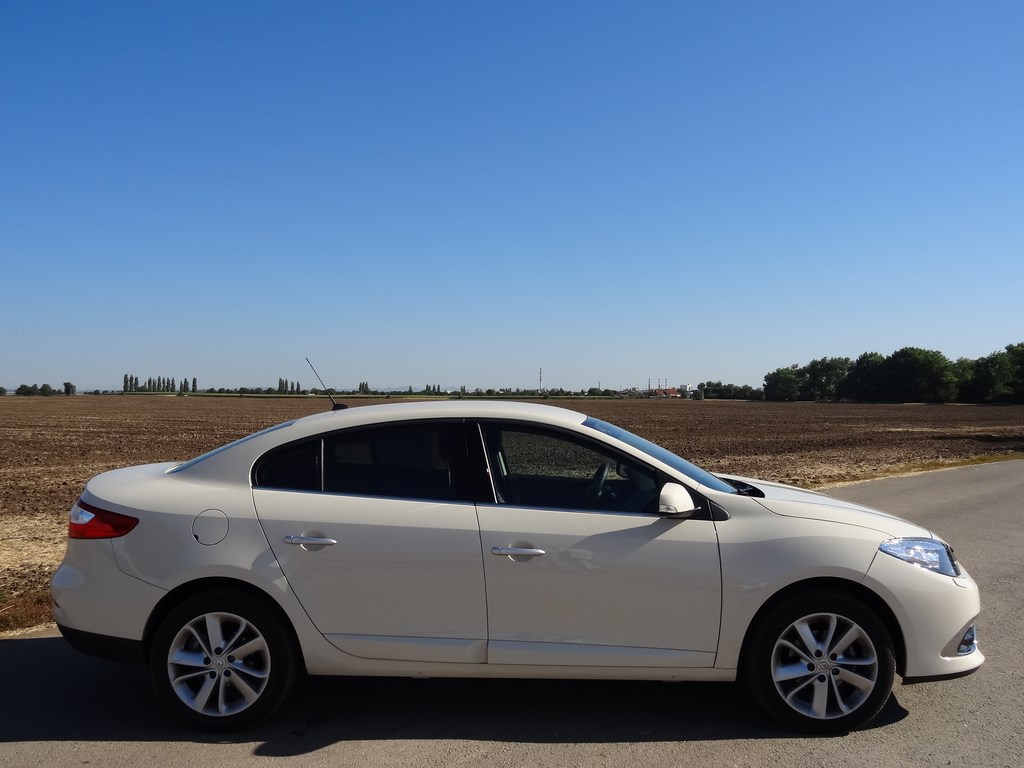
(335, 405)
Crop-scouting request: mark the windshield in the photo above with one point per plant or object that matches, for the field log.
(654, 450)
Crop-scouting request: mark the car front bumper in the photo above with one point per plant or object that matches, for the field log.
(937, 616)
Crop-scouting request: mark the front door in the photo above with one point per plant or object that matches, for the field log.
(581, 570)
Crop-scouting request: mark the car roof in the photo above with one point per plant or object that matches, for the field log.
(438, 409)
(235, 459)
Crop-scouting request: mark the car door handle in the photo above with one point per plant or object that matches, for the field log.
(310, 541)
(517, 551)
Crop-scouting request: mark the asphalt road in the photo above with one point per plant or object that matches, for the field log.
(59, 708)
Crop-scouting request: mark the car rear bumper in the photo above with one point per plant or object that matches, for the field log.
(92, 596)
(104, 646)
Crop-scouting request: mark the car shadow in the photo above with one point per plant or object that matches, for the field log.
(54, 693)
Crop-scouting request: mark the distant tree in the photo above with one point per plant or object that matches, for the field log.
(46, 390)
(783, 384)
(824, 379)
(988, 379)
(127, 385)
(69, 388)
(1015, 353)
(963, 370)
(914, 375)
(3, 391)
(193, 385)
(864, 380)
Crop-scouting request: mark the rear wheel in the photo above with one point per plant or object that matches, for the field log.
(222, 660)
(821, 662)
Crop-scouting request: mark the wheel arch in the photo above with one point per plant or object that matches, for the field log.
(213, 584)
(852, 589)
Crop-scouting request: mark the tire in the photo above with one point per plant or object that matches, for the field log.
(821, 663)
(222, 660)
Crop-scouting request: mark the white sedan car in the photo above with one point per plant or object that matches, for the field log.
(480, 539)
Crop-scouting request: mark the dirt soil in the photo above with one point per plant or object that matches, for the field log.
(50, 447)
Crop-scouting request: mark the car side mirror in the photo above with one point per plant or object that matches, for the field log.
(676, 502)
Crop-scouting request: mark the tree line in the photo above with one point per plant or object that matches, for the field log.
(184, 387)
(158, 384)
(716, 390)
(45, 390)
(908, 375)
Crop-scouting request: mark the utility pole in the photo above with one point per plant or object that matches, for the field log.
(540, 383)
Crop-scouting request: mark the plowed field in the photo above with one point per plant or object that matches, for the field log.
(49, 447)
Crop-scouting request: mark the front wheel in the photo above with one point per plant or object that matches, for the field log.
(222, 660)
(821, 663)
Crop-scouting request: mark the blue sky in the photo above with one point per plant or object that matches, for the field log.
(462, 193)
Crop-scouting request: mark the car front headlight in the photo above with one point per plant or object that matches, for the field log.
(931, 554)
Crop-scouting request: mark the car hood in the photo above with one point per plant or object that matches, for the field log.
(790, 501)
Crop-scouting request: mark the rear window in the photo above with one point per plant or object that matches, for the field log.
(192, 462)
(417, 460)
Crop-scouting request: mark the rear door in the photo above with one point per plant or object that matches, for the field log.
(379, 540)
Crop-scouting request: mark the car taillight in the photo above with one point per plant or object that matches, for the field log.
(90, 522)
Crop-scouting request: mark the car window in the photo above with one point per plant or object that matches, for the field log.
(404, 461)
(292, 467)
(410, 460)
(539, 468)
(210, 454)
